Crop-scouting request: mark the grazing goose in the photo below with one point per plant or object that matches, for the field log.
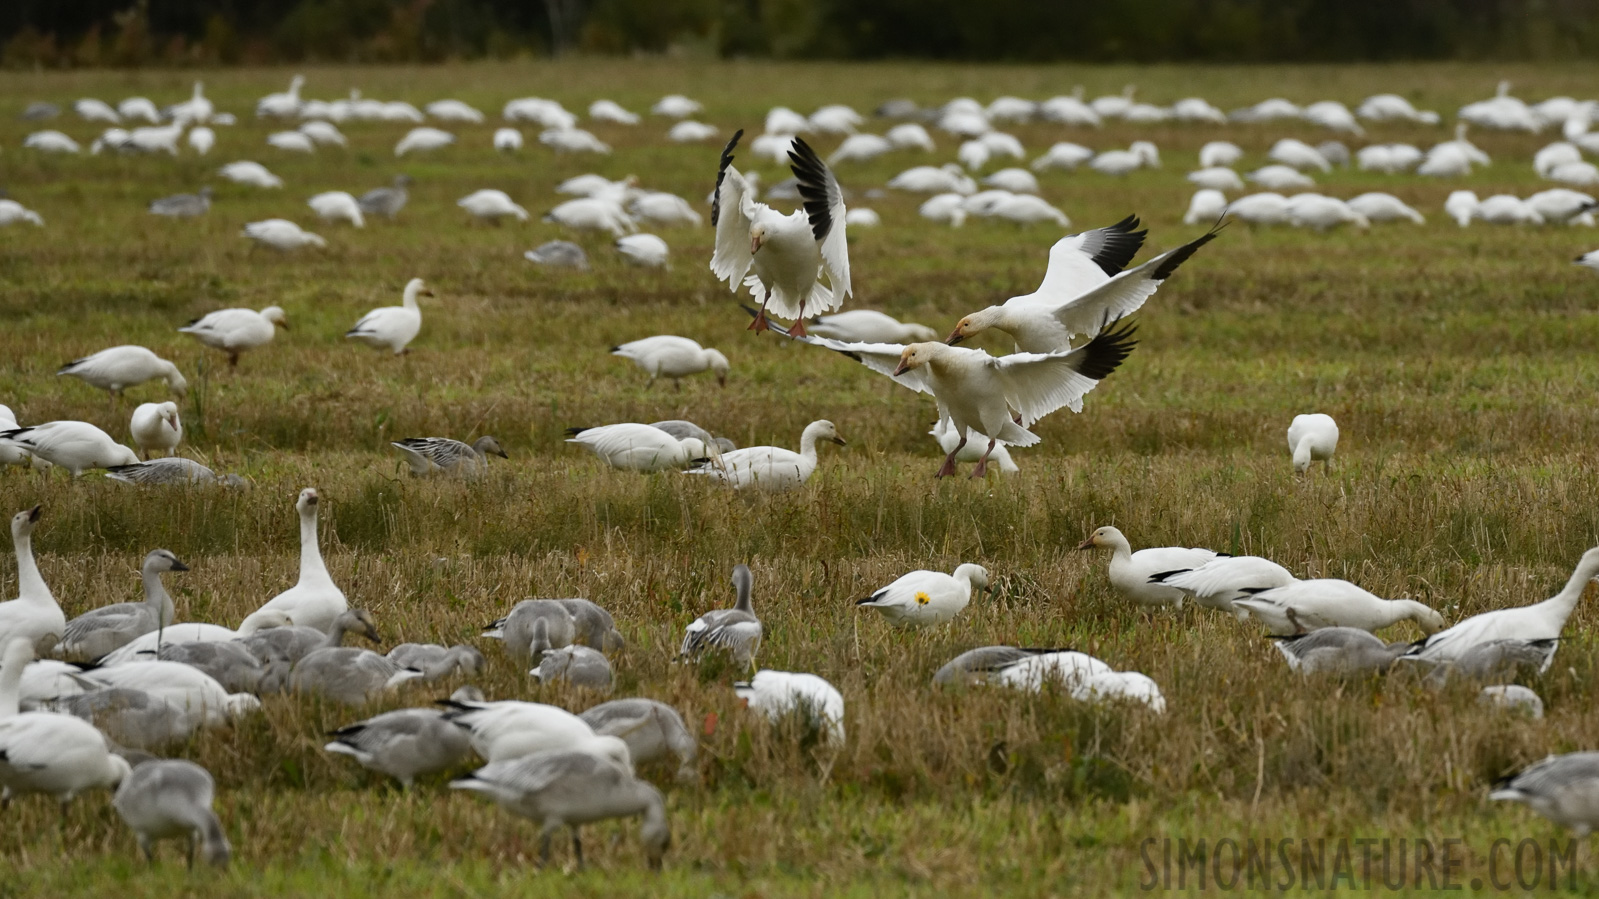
(1043, 322)
(1297, 154)
(778, 694)
(1219, 583)
(507, 140)
(922, 598)
(1381, 207)
(1563, 206)
(1266, 208)
(500, 731)
(149, 646)
(1329, 602)
(155, 426)
(653, 731)
(593, 626)
(426, 455)
(1512, 698)
(771, 468)
(691, 132)
(392, 327)
(281, 235)
(74, 445)
(1120, 686)
(1064, 155)
(386, 201)
(559, 254)
(593, 214)
(12, 212)
(337, 206)
(491, 206)
(569, 789)
(1034, 671)
(51, 142)
(661, 208)
(233, 331)
(253, 174)
(735, 631)
(1220, 153)
(1131, 573)
(1217, 178)
(171, 471)
(1320, 213)
(675, 106)
(975, 666)
(1312, 438)
(573, 140)
(291, 643)
(666, 356)
(202, 139)
(406, 743)
(348, 675)
(972, 451)
(183, 206)
(1562, 788)
(322, 133)
(1281, 177)
(1540, 621)
(33, 615)
(784, 254)
(576, 665)
(314, 601)
(129, 717)
(437, 662)
(1119, 163)
(533, 626)
(99, 631)
(454, 111)
(43, 752)
(423, 140)
(230, 662)
(171, 799)
(868, 326)
(92, 110)
(190, 689)
(292, 141)
(1498, 660)
(926, 179)
(1339, 650)
(635, 447)
(121, 367)
(645, 250)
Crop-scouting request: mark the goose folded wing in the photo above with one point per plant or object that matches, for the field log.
(1037, 384)
(824, 206)
(1125, 292)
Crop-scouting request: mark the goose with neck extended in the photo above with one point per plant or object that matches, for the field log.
(1329, 602)
(315, 601)
(100, 631)
(34, 614)
(1539, 621)
(771, 468)
(43, 752)
(1131, 572)
(393, 327)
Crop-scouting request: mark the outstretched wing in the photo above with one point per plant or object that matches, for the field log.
(882, 358)
(1037, 384)
(1126, 292)
(824, 206)
(1080, 262)
(730, 216)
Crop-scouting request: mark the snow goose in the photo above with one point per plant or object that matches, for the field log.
(229, 662)
(155, 426)
(1120, 686)
(183, 205)
(770, 468)
(635, 447)
(862, 218)
(661, 208)
(314, 601)
(501, 731)
(348, 675)
(436, 661)
(944, 208)
(1206, 205)
(1540, 621)
(1070, 110)
(51, 142)
(1141, 154)
(171, 799)
(689, 432)
(972, 451)
(337, 206)
(1556, 154)
(454, 111)
(43, 752)
(253, 174)
(280, 642)
(92, 110)
(573, 140)
(1025, 209)
(666, 356)
(646, 250)
(1297, 154)
(404, 744)
(835, 119)
(690, 132)
(782, 120)
(202, 139)
(675, 106)
(612, 112)
(1216, 178)
(426, 455)
(507, 140)
(112, 139)
(1034, 670)
(1114, 106)
(1589, 260)
(151, 645)
(98, 632)
(1498, 660)
(40, 111)
(1382, 207)
(1063, 156)
(491, 206)
(1462, 206)
(545, 113)
(34, 614)
(1267, 208)
(736, 631)
(578, 666)
(1146, 114)
(1219, 583)
(190, 689)
(779, 694)
(1318, 212)
(386, 201)
(1329, 602)
(73, 445)
(1132, 573)
(234, 331)
(783, 253)
(1445, 161)
(1339, 650)
(1393, 108)
(922, 598)
(1512, 698)
(593, 214)
(320, 133)
(533, 626)
(282, 105)
(11, 453)
(1332, 115)
(570, 789)
(926, 179)
(860, 148)
(1562, 206)
(653, 731)
(281, 235)
(973, 155)
(1312, 438)
(974, 666)
(910, 136)
(393, 327)
(868, 326)
(1280, 177)
(1562, 788)
(1197, 109)
(1220, 153)
(1578, 174)
(120, 367)
(558, 254)
(292, 141)
(151, 139)
(128, 717)
(423, 140)
(1045, 321)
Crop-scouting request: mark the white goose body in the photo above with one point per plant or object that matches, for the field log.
(771, 468)
(500, 731)
(635, 447)
(666, 356)
(491, 206)
(778, 694)
(1541, 621)
(392, 327)
(1312, 438)
(923, 598)
(1219, 583)
(43, 752)
(337, 206)
(315, 601)
(422, 140)
(14, 454)
(121, 367)
(1329, 602)
(156, 427)
(34, 614)
(647, 250)
(1131, 572)
(281, 235)
(234, 331)
(1384, 207)
(252, 173)
(74, 445)
(186, 687)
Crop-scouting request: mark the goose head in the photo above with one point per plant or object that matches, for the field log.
(975, 323)
(915, 356)
(757, 237)
(177, 384)
(1105, 538)
(357, 621)
(655, 833)
(416, 288)
(22, 523)
(822, 430)
(306, 505)
(274, 314)
(719, 365)
(976, 575)
(160, 561)
(487, 445)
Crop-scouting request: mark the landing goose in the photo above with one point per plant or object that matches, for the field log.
(782, 254)
(1312, 438)
(44, 752)
(1132, 573)
(183, 205)
(1219, 583)
(156, 426)
(923, 598)
(337, 206)
(1329, 602)
(672, 357)
(120, 367)
(427, 455)
(393, 327)
(770, 468)
(736, 631)
(1078, 263)
(1540, 621)
(281, 235)
(779, 694)
(569, 789)
(235, 331)
(100, 631)
(404, 744)
(533, 626)
(74, 445)
(653, 731)
(314, 601)
(576, 665)
(500, 731)
(171, 799)
(33, 615)
(1339, 650)
(1562, 788)
(635, 447)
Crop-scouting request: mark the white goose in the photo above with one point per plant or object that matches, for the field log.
(1539, 621)
(34, 614)
(778, 694)
(593, 214)
(500, 731)
(782, 254)
(666, 356)
(1216, 178)
(252, 173)
(1312, 438)
(1384, 207)
(1141, 154)
(1205, 206)
(1063, 156)
(921, 598)
(73, 445)
(771, 468)
(100, 631)
(337, 206)
(1219, 583)
(233, 331)
(392, 327)
(121, 367)
(454, 111)
(323, 133)
(690, 132)
(282, 105)
(281, 235)
(155, 426)
(491, 206)
(292, 141)
(43, 752)
(645, 250)
(148, 646)
(423, 140)
(315, 601)
(950, 442)
(612, 112)
(507, 140)
(635, 447)
(1330, 602)
(1132, 573)
(11, 453)
(186, 687)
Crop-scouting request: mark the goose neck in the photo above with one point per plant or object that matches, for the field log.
(312, 569)
(1566, 600)
(30, 583)
(157, 597)
(1302, 453)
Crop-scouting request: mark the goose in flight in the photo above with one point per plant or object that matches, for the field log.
(782, 255)
(1046, 320)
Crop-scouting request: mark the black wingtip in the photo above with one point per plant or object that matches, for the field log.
(1160, 577)
(617, 348)
(570, 432)
(1253, 590)
(813, 180)
(1114, 246)
(1108, 350)
(1182, 253)
(721, 172)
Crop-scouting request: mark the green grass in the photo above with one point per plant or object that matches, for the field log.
(1458, 363)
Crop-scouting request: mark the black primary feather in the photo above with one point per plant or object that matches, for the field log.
(1181, 254)
(1107, 351)
(817, 187)
(1114, 246)
(721, 172)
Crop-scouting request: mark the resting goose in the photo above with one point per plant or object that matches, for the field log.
(1312, 438)
(33, 615)
(672, 357)
(1539, 621)
(190, 689)
(1329, 602)
(975, 665)
(663, 209)
(98, 632)
(645, 250)
(183, 205)
(782, 254)
(230, 662)
(404, 744)
(770, 468)
(291, 643)
(171, 471)
(736, 631)
(233, 331)
(533, 626)
(500, 731)
(576, 665)
(392, 327)
(653, 731)
(129, 717)
(922, 598)
(121, 367)
(426, 455)
(437, 662)
(778, 694)
(1064, 155)
(1036, 670)
(314, 601)
(1219, 583)
(171, 799)
(155, 426)
(44, 752)
(151, 645)
(423, 140)
(1132, 573)
(337, 206)
(74, 445)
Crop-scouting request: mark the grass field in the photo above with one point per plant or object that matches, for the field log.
(1459, 363)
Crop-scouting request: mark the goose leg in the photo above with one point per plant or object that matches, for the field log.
(760, 323)
(982, 464)
(798, 328)
(192, 841)
(544, 842)
(949, 461)
(233, 360)
(577, 848)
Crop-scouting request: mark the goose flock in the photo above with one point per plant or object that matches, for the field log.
(85, 701)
